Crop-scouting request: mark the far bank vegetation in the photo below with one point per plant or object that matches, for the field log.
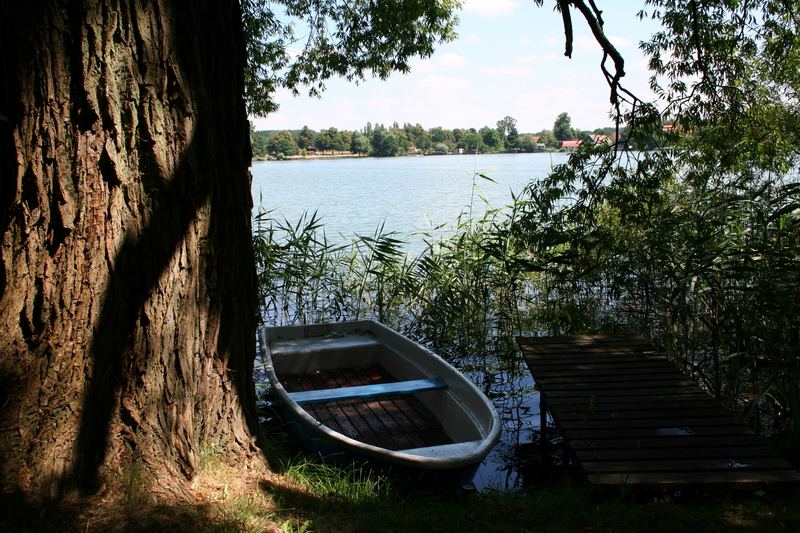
(412, 139)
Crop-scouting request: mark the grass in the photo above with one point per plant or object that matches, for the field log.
(302, 495)
(354, 485)
(563, 507)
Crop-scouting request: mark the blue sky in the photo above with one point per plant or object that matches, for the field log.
(507, 60)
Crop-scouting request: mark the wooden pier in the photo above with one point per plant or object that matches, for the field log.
(630, 416)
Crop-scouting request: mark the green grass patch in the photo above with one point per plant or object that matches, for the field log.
(319, 498)
(560, 508)
(355, 484)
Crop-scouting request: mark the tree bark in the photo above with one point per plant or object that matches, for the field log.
(127, 286)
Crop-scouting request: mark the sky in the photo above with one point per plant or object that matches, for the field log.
(508, 59)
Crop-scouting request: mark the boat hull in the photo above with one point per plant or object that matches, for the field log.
(391, 432)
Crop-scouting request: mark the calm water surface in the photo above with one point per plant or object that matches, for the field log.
(409, 195)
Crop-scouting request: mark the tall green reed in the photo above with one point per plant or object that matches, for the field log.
(456, 294)
(706, 266)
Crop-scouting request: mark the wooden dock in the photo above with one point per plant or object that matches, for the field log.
(630, 416)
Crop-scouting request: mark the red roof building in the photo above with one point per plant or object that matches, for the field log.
(572, 144)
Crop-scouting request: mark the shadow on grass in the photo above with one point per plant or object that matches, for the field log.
(554, 508)
(92, 514)
(550, 503)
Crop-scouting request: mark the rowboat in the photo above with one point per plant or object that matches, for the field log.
(360, 390)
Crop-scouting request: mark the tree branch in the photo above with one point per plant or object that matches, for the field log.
(594, 18)
(595, 22)
(563, 6)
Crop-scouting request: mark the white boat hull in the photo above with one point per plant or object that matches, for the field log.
(467, 418)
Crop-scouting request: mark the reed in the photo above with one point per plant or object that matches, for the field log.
(706, 267)
(456, 295)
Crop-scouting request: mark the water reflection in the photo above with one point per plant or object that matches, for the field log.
(518, 460)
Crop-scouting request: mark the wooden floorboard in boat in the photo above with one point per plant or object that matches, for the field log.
(631, 417)
(393, 422)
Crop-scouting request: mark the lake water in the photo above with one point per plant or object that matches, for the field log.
(411, 194)
(407, 194)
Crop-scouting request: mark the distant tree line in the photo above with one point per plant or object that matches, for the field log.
(381, 141)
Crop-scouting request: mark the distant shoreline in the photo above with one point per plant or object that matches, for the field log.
(364, 156)
(316, 156)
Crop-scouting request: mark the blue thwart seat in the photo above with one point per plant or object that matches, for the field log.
(368, 391)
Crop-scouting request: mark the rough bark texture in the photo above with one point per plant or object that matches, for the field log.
(127, 305)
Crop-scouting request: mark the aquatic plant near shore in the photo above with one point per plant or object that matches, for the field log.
(703, 262)
(455, 294)
(709, 271)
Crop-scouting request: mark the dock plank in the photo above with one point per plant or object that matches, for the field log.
(731, 453)
(650, 422)
(733, 477)
(630, 416)
(713, 464)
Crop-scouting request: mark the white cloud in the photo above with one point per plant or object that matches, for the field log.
(538, 109)
(563, 93)
(508, 72)
(422, 66)
(536, 58)
(533, 82)
(584, 43)
(553, 40)
(380, 103)
(491, 8)
(450, 60)
(436, 63)
(442, 86)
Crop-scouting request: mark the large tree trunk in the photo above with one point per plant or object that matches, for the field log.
(127, 289)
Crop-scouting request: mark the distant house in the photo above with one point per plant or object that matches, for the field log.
(537, 142)
(674, 128)
(571, 145)
(598, 139)
(412, 150)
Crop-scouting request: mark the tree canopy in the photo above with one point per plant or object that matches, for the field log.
(562, 127)
(504, 138)
(283, 143)
(352, 39)
(689, 223)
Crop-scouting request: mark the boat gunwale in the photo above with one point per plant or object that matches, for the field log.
(398, 457)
